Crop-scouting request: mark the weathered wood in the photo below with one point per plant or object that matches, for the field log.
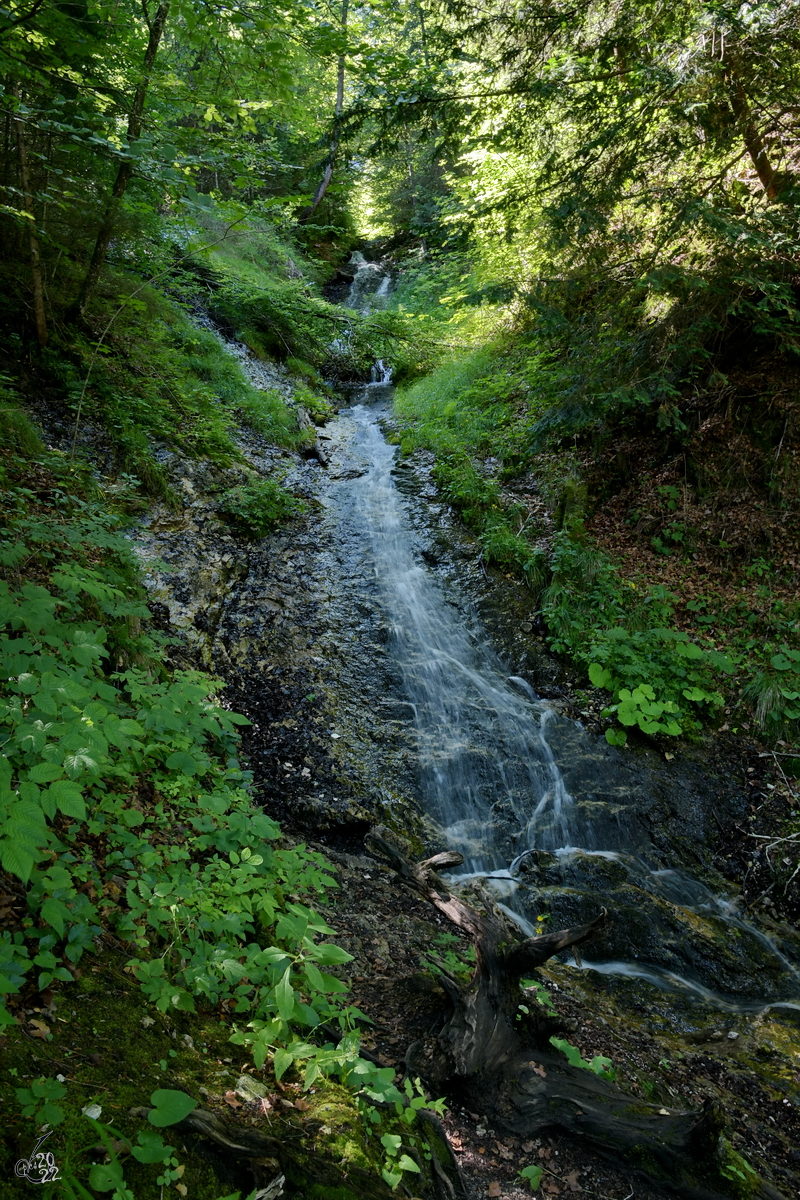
(304, 422)
(498, 1061)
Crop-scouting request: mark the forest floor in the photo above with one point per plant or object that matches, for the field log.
(391, 933)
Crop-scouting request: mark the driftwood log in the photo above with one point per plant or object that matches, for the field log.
(498, 1061)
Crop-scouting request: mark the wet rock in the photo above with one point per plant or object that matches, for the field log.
(683, 938)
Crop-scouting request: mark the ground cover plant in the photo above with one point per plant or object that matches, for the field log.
(128, 820)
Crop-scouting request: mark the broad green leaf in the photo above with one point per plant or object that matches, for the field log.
(17, 860)
(169, 1107)
(131, 818)
(6, 1017)
(314, 976)
(183, 762)
(106, 1177)
(391, 1143)
(284, 996)
(151, 1148)
(68, 798)
(282, 1060)
(330, 955)
(533, 1174)
(55, 914)
(45, 772)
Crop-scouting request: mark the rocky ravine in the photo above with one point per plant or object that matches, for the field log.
(294, 625)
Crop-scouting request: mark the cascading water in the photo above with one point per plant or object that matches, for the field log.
(371, 284)
(459, 697)
(487, 773)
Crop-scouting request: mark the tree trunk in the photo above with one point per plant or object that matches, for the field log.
(328, 172)
(497, 1061)
(33, 236)
(771, 180)
(125, 171)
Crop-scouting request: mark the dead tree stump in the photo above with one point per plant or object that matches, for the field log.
(499, 1061)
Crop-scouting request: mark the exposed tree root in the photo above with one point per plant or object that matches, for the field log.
(499, 1061)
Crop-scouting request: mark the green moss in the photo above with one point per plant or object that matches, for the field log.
(342, 1128)
(109, 1044)
(742, 1179)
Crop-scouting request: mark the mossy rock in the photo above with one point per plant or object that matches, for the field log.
(115, 1049)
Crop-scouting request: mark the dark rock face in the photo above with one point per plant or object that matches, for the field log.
(300, 627)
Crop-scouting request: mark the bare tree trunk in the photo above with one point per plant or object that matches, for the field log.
(125, 171)
(771, 180)
(503, 1066)
(328, 172)
(33, 236)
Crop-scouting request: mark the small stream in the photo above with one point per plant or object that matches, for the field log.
(487, 772)
(432, 731)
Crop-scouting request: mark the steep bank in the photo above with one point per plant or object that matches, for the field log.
(331, 572)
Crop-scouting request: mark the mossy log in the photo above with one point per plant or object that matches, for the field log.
(320, 1167)
(270, 1160)
(499, 1062)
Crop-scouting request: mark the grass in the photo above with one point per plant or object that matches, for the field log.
(485, 413)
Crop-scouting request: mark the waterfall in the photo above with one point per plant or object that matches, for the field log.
(371, 284)
(490, 781)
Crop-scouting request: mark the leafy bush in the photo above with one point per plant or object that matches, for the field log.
(103, 759)
(259, 506)
(661, 681)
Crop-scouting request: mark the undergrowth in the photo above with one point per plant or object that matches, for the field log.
(126, 815)
(486, 413)
(258, 507)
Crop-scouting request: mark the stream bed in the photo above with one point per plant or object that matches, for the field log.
(391, 679)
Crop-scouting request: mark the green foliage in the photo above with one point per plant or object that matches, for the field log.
(533, 1174)
(109, 1176)
(662, 682)
(258, 507)
(280, 318)
(40, 1101)
(17, 431)
(599, 1065)
(406, 1105)
(473, 405)
(444, 957)
(541, 994)
(267, 413)
(775, 691)
(317, 406)
(169, 1107)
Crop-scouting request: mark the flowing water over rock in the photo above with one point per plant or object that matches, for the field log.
(389, 704)
(371, 284)
(494, 770)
